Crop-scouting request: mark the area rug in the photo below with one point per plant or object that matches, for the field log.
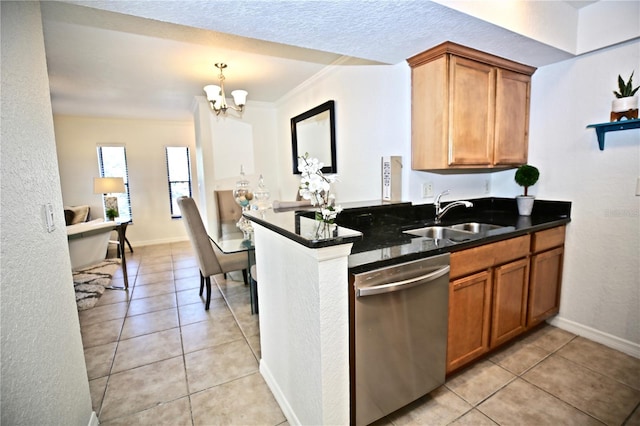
(91, 281)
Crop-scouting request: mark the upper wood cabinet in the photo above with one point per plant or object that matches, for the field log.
(469, 109)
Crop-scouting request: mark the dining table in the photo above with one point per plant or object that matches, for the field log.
(232, 240)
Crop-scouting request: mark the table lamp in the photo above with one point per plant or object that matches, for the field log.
(109, 185)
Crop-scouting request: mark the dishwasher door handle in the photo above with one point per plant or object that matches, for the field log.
(403, 285)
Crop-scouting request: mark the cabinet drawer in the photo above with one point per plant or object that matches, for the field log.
(547, 239)
(475, 259)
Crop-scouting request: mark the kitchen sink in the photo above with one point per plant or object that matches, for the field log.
(455, 233)
(474, 227)
(440, 233)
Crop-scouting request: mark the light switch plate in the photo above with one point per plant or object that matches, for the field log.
(638, 187)
(48, 213)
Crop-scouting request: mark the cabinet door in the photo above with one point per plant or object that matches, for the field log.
(544, 288)
(512, 118)
(429, 115)
(509, 311)
(469, 311)
(472, 109)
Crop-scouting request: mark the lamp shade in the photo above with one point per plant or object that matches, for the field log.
(213, 94)
(239, 97)
(108, 185)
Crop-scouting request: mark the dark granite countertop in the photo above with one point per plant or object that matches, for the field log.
(300, 226)
(376, 228)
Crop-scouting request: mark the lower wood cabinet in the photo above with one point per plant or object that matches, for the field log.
(487, 298)
(509, 311)
(469, 316)
(499, 290)
(547, 248)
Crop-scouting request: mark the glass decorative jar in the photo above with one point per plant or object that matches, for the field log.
(243, 195)
(261, 196)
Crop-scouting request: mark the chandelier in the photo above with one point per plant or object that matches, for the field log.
(217, 99)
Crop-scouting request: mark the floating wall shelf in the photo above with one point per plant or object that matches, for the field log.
(613, 126)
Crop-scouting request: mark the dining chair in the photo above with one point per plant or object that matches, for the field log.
(228, 211)
(211, 260)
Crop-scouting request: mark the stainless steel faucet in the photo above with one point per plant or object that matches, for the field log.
(442, 211)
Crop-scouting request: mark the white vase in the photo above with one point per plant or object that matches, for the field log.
(624, 104)
(525, 204)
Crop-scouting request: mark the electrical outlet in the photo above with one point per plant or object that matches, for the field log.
(487, 186)
(427, 190)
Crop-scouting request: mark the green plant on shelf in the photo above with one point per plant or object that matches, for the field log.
(625, 90)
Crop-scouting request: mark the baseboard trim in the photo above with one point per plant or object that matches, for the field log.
(93, 420)
(159, 241)
(622, 345)
(292, 419)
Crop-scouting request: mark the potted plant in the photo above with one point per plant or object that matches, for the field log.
(112, 214)
(625, 99)
(526, 176)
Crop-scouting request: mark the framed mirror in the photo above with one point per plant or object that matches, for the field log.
(314, 132)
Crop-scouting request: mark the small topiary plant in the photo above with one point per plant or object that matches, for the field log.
(527, 176)
(112, 214)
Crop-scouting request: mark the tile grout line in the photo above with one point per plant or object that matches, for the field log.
(233, 313)
(130, 299)
(184, 358)
(513, 379)
(115, 352)
(555, 352)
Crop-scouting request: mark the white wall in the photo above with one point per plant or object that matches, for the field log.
(601, 286)
(44, 379)
(305, 357)
(225, 143)
(372, 119)
(557, 23)
(606, 23)
(77, 139)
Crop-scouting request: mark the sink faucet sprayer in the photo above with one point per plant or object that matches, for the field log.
(442, 211)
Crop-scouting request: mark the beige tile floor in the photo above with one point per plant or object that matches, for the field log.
(155, 356)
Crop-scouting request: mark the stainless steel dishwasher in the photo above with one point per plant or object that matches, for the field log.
(400, 323)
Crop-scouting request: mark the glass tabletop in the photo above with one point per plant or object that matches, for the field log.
(234, 241)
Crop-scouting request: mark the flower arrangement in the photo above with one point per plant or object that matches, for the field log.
(316, 187)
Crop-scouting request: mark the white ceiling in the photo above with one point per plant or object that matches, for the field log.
(148, 59)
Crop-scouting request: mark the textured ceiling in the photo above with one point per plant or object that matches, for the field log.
(150, 58)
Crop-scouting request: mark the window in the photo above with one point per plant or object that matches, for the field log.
(112, 161)
(179, 174)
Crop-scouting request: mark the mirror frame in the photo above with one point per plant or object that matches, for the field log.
(327, 106)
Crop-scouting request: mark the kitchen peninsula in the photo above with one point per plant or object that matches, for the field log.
(304, 287)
